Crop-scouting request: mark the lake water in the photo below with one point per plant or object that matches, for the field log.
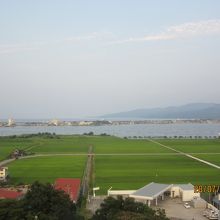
(122, 130)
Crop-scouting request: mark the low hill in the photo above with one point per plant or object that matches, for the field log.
(189, 111)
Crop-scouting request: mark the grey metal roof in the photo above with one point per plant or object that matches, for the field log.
(188, 186)
(152, 190)
(216, 201)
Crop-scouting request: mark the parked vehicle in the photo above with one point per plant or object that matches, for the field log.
(186, 205)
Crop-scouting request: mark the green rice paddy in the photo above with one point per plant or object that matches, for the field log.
(193, 145)
(154, 163)
(46, 169)
(215, 159)
(132, 172)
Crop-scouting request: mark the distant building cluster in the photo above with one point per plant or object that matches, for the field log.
(9, 123)
(56, 122)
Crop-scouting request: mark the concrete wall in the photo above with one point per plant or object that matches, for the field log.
(188, 195)
(175, 192)
(120, 192)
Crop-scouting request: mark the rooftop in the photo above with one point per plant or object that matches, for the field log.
(9, 194)
(152, 190)
(188, 186)
(70, 186)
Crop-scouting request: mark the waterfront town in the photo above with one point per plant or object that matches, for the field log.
(57, 122)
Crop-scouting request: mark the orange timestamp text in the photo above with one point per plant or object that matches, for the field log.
(206, 188)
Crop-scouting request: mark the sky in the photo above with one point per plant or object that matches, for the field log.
(72, 59)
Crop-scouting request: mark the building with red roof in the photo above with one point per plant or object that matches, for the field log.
(70, 186)
(10, 194)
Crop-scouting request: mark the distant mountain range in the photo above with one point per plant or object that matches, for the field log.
(189, 111)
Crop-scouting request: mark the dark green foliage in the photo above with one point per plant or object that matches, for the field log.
(104, 134)
(41, 202)
(89, 134)
(119, 209)
(40, 134)
(43, 199)
(11, 210)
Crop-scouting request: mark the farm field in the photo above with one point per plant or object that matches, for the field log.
(78, 144)
(210, 158)
(106, 145)
(46, 169)
(7, 145)
(40, 145)
(65, 144)
(193, 145)
(119, 145)
(132, 172)
(117, 171)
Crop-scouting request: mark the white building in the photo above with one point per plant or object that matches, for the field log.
(3, 173)
(55, 122)
(153, 192)
(85, 123)
(184, 191)
(11, 122)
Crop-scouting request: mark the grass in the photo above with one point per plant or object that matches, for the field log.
(46, 169)
(119, 145)
(65, 144)
(7, 145)
(193, 146)
(120, 172)
(79, 144)
(210, 158)
(132, 172)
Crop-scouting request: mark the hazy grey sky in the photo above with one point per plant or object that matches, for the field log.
(68, 59)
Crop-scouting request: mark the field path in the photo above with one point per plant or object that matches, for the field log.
(185, 154)
(87, 173)
(4, 162)
(37, 144)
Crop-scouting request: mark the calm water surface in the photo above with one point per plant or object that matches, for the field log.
(122, 130)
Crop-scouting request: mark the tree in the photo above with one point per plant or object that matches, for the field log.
(121, 209)
(11, 209)
(42, 202)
